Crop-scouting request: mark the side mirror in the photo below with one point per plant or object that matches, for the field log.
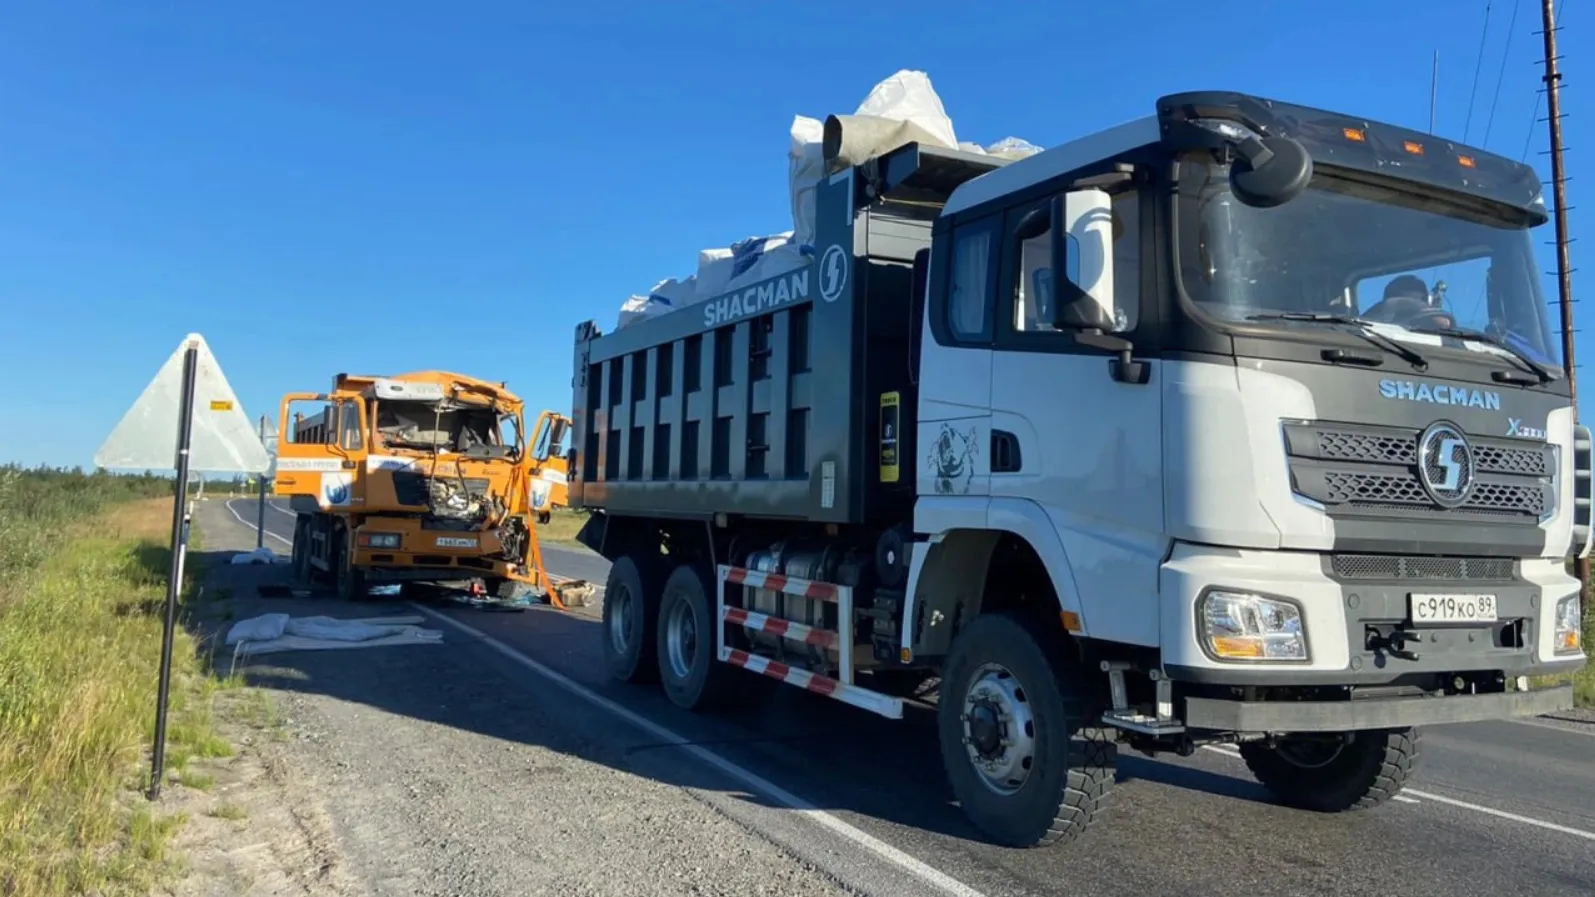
(1269, 171)
(1081, 228)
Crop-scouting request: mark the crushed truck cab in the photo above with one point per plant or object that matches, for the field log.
(1237, 423)
(424, 476)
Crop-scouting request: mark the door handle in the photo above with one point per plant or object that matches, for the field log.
(1005, 452)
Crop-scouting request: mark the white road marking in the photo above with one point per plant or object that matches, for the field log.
(234, 512)
(1586, 732)
(1231, 751)
(880, 848)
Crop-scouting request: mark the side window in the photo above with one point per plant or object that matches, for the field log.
(349, 426)
(1032, 291)
(969, 281)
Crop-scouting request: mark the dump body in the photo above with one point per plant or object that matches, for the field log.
(763, 402)
(423, 475)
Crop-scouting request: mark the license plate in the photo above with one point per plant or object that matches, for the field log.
(455, 542)
(1453, 608)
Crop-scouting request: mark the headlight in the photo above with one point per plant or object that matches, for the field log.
(1569, 636)
(380, 540)
(1242, 626)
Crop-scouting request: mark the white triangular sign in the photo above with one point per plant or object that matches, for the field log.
(223, 438)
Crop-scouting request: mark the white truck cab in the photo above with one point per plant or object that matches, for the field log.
(1284, 458)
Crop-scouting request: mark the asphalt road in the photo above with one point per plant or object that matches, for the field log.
(1495, 808)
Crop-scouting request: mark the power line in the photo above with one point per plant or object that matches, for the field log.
(1501, 75)
(1478, 65)
(1534, 117)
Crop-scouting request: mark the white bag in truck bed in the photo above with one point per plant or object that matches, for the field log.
(902, 109)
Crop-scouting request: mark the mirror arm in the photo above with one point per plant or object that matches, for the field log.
(1125, 368)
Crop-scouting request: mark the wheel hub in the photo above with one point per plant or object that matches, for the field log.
(620, 620)
(999, 729)
(681, 639)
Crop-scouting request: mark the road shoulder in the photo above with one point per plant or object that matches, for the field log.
(430, 770)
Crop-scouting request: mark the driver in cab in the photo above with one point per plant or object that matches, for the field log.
(1408, 302)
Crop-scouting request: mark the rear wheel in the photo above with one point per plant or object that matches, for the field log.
(631, 612)
(692, 674)
(1014, 721)
(1336, 773)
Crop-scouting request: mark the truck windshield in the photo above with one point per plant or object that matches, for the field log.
(433, 426)
(1351, 249)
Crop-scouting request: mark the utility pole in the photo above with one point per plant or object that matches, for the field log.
(1564, 270)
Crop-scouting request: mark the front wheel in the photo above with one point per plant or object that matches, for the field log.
(1015, 727)
(1337, 773)
(351, 579)
(301, 550)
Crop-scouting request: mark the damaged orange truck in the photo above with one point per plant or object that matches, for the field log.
(424, 476)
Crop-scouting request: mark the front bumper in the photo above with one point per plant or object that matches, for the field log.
(1344, 622)
(1371, 713)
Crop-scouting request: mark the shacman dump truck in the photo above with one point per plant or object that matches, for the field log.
(424, 476)
(1244, 473)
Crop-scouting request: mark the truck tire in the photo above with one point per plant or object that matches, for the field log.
(1334, 777)
(351, 579)
(1017, 735)
(692, 675)
(301, 550)
(631, 614)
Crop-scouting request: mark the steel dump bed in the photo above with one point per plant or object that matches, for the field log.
(768, 401)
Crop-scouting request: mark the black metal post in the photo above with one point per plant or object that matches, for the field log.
(185, 427)
(260, 511)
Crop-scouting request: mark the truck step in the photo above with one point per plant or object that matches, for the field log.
(843, 639)
(1143, 723)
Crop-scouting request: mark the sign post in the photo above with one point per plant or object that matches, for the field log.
(187, 417)
(174, 579)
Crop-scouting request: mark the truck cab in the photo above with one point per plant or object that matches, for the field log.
(1238, 423)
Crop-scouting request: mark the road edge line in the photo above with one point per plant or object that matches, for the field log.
(747, 777)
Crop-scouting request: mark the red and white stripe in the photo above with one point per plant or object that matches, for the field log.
(863, 698)
(789, 585)
(793, 632)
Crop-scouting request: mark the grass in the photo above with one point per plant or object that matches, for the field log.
(83, 562)
(562, 526)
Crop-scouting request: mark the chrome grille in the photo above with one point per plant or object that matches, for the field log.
(1358, 468)
(1380, 446)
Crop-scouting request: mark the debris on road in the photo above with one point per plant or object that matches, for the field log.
(259, 556)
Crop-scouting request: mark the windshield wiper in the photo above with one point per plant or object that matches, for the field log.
(1361, 327)
(1469, 333)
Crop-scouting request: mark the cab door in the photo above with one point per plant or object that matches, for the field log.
(550, 473)
(1068, 434)
(321, 453)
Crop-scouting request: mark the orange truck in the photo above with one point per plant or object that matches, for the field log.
(423, 476)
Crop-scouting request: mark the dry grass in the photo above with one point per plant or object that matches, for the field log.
(80, 635)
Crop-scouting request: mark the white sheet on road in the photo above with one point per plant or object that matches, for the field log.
(280, 632)
(260, 555)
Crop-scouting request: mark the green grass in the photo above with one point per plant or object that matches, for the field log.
(562, 526)
(83, 563)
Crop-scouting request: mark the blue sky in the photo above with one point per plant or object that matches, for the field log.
(379, 187)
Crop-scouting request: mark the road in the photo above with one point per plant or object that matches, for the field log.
(1501, 807)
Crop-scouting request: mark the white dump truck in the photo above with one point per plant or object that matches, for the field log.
(1238, 423)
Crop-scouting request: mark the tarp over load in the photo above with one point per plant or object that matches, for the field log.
(900, 110)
